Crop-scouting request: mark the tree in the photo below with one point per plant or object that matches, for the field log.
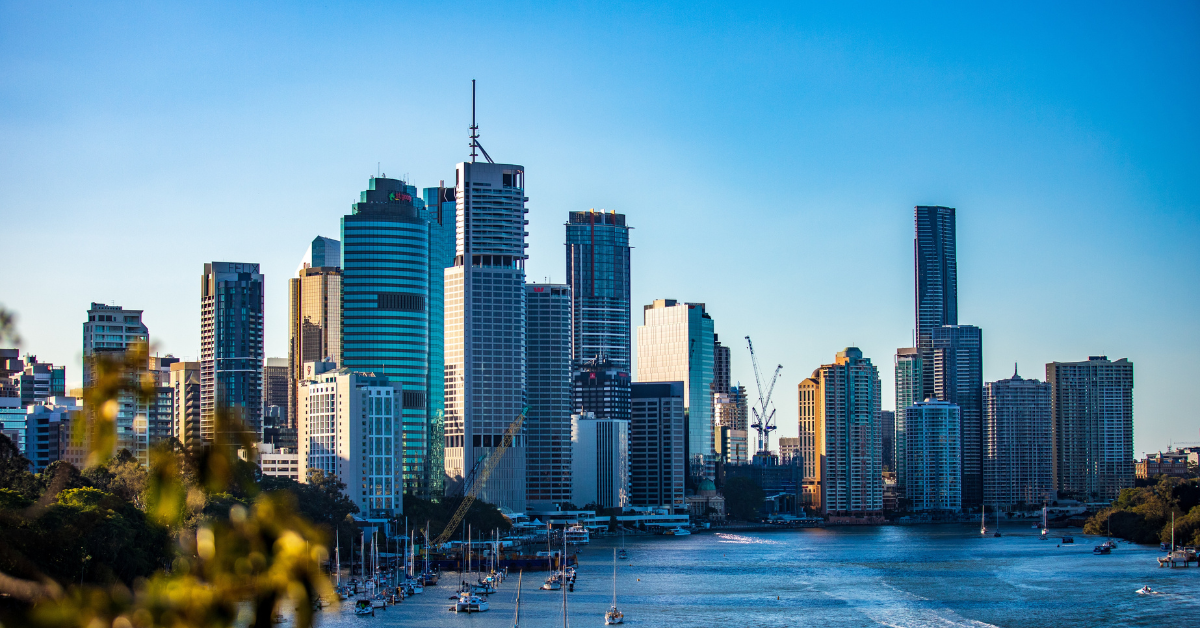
(743, 498)
(14, 470)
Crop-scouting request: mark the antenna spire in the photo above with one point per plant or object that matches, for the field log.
(475, 131)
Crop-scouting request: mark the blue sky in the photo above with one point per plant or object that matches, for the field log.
(769, 157)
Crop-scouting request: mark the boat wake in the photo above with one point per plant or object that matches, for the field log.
(743, 540)
(897, 608)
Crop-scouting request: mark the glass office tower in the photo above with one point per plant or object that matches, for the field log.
(676, 344)
(485, 331)
(385, 309)
(598, 274)
(440, 216)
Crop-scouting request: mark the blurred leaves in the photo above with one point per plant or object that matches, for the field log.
(8, 329)
(189, 541)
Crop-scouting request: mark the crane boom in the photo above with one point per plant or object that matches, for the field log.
(493, 460)
(764, 417)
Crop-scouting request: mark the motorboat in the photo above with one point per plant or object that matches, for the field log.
(483, 588)
(364, 607)
(553, 583)
(1068, 540)
(678, 532)
(1146, 590)
(577, 535)
(1109, 544)
(1100, 549)
(470, 603)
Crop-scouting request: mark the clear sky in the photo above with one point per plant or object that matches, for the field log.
(769, 158)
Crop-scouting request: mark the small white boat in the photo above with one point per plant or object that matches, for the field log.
(577, 535)
(553, 583)
(1146, 590)
(678, 532)
(470, 603)
(364, 607)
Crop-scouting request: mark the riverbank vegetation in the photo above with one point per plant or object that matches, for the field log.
(1143, 515)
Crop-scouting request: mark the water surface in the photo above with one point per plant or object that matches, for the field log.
(901, 576)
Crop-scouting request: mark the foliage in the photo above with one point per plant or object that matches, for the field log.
(1143, 515)
(14, 470)
(188, 542)
(743, 498)
(481, 516)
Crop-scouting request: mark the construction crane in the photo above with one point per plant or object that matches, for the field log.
(764, 415)
(475, 481)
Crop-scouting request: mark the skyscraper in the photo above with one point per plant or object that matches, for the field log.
(887, 427)
(1092, 407)
(839, 414)
(910, 389)
(548, 385)
(936, 274)
(957, 359)
(314, 315)
(599, 461)
(440, 217)
(676, 344)
(934, 477)
(185, 402)
(656, 445)
(231, 345)
(350, 427)
(111, 330)
(721, 367)
(385, 310)
(485, 329)
(1018, 461)
(598, 274)
(278, 390)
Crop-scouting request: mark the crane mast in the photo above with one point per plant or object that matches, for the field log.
(477, 480)
(764, 414)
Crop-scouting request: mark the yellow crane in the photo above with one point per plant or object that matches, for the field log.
(481, 477)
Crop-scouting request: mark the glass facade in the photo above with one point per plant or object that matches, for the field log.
(548, 383)
(231, 345)
(957, 352)
(385, 306)
(598, 275)
(910, 383)
(934, 477)
(440, 217)
(936, 278)
(676, 344)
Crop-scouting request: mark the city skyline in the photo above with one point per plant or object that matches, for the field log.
(998, 257)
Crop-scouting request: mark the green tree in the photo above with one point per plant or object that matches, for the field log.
(743, 498)
(14, 470)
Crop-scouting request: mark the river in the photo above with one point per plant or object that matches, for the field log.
(901, 576)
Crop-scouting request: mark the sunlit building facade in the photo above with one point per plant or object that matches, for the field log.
(1018, 456)
(676, 344)
(1092, 407)
(485, 331)
(598, 275)
(231, 346)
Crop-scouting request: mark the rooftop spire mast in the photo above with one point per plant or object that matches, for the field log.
(475, 131)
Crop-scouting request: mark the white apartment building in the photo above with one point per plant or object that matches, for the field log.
(350, 427)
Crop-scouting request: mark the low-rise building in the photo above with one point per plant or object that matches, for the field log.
(1171, 464)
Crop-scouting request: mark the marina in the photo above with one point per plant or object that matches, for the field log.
(904, 576)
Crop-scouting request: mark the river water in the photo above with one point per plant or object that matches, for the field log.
(901, 576)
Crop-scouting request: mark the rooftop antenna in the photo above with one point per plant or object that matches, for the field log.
(475, 131)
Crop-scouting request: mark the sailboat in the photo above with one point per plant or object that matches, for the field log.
(621, 553)
(1045, 526)
(552, 583)
(517, 610)
(983, 522)
(614, 616)
(997, 522)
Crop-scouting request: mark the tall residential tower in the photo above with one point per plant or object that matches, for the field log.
(231, 345)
